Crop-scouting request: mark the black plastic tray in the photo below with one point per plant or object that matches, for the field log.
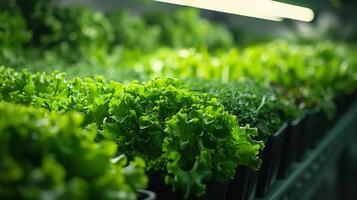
(290, 146)
(214, 190)
(271, 159)
(244, 184)
(306, 176)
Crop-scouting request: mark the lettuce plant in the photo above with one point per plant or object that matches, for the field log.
(48, 155)
(186, 135)
(253, 103)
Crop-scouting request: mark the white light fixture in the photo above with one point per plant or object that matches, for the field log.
(290, 11)
(264, 9)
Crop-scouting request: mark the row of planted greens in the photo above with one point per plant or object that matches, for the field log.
(44, 36)
(157, 121)
(72, 137)
(85, 43)
(191, 133)
(45, 33)
(310, 74)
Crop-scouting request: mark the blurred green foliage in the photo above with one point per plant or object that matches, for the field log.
(48, 155)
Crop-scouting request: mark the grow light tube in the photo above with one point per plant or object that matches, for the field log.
(289, 11)
(264, 9)
(238, 7)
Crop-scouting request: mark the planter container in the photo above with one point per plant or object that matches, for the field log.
(214, 190)
(312, 128)
(343, 102)
(341, 105)
(323, 124)
(290, 147)
(317, 125)
(271, 158)
(244, 184)
(303, 139)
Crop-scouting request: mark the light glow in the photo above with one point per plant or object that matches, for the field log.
(264, 9)
(290, 11)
